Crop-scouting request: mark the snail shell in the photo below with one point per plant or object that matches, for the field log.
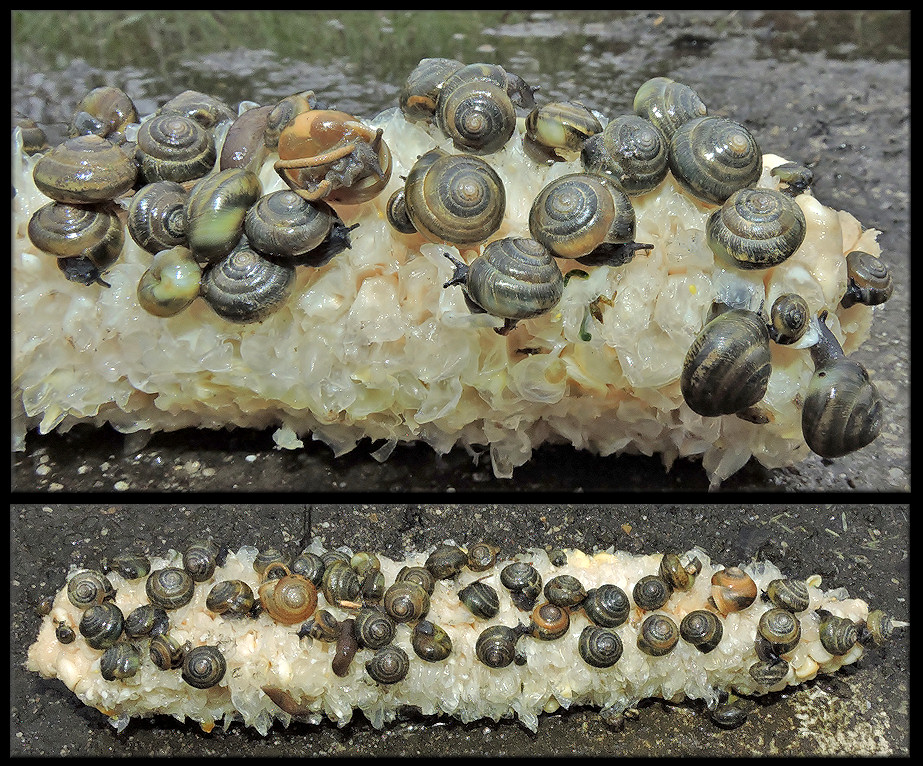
(789, 318)
(68, 231)
(727, 366)
(88, 587)
(870, 281)
(607, 605)
(454, 198)
(658, 635)
(266, 557)
(480, 599)
(332, 556)
(496, 646)
(418, 96)
(346, 648)
(668, 104)
(388, 665)
(309, 565)
(781, 629)
(34, 139)
(204, 667)
(580, 214)
(702, 629)
(102, 112)
(769, 672)
(446, 561)
(419, 575)
(171, 282)
(712, 157)
(548, 622)
(230, 597)
(475, 110)
(166, 652)
(324, 626)
(677, 575)
(374, 629)
(84, 170)
(651, 592)
(122, 660)
(208, 111)
(756, 229)
(131, 566)
(276, 570)
(557, 131)
(524, 583)
(200, 559)
(340, 583)
(789, 594)
(406, 601)
(283, 113)
(101, 625)
(157, 216)
(795, 177)
(631, 151)
(64, 633)
(289, 600)
(146, 620)
(170, 587)
(843, 410)
(216, 210)
(599, 647)
(732, 590)
(430, 641)
(174, 148)
(565, 591)
(482, 556)
(244, 145)
(397, 214)
(364, 563)
(286, 225)
(246, 287)
(837, 634)
(878, 626)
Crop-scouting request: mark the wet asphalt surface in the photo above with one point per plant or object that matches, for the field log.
(91, 492)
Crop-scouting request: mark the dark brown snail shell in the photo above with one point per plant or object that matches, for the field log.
(651, 592)
(266, 557)
(101, 625)
(71, 231)
(157, 216)
(789, 594)
(122, 660)
(374, 629)
(102, 112)
(475, 110)
(204, 667)
(482, 556)
(166, 652)
(170, 587)
(388, 665)
(246, 287)
(837, 634)
(558, 130)
(208, 111)
(702, 629)
(869, 280)
(789, 318)
(430, 641)
(524, 583)
(607, 605)
(406, 601)
(658, 635)
(64, 633)
(84, 170)
(286, 225)
(668, 104)
(631, 151)
(565, 591)
(496, 646)
(88, 587)
(230, 597)
(283, 112)
(480, 599)
(131, 566)
(309, 565)
(172, 147)
(781, 629)
(419, 575)
(340, 583)
(146, 620)
(679, 576)
(324, 626)
(446, 561)
(200, 559)
(599, 647)
(769, 672)
(418, 96)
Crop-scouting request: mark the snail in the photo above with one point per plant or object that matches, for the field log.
(702, 629)
(204, 667)
(406, 601)
(631, 151)
(346, 648)
(842, 410)
(797, 178)
(565, 590)
(788, 594)
(288, 600)
(667, 104)
(480, 599)
(727, 367)
(454, 198)
(157, 216)
(430, 641)
(200, 559)
(88, 587)
(374, 629)
(869, 280)
(170, 587)
(878, 628)
(328, 154)
(658, 635)
(524, 583)
(756, 229)
(244, 145)
(83, 170)
(230, 597)
(103, 111)
(789, 319)
(34, 139)
(364, 563)
(557, 131)
(496, 646)
(340, 583)
(732, 590)
(216, 210)
(122, 660)
(146, 621)
(837, 634)
(419, 94)
(170, 283)
(323, 626)
(514, 278)
(712, 157)
(606, 605)
(101, 625)
(283, 112)
(769, 672)
(275, 570)
(599, 647)
(310, 566)
(172, 147)
(677, 575)
(446, 561)
(388, 665)
(266, 557)
(166, 652)
(585, 217)
(396, 212)
(482, 556)
(64, 633)
(419, 575)
(651, 592)
(131, 566)
(781, 629)
(208, 111)
(246, 287)
(548, 622)
(332, 556)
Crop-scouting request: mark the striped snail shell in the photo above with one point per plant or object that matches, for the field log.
(388, 665)
(789, 318)
(607, 605)
(496, 646)
(513, 278)
(122, 660)
(406, 601)
(732, 590)
(309, 565)
(658, 635)
(246, 287)
(795, 177)
(170, 587)
(334, 555)
(346, 648)
(88, 587)
(557, 131)
(843, 410)
(230, 597)
(84, 170)
(631, 151)
(172, 147)
(101, 625)
(565, 591)
(166, 652)
(454, 198)
(548, 622)
(34, 139)
(102, 112)
(157, 216)
(599, 647)
(651, 592)
(769, 672)
(69, 231)
(869, 280)
(244, 145)
(756, 229)
(365, 562)
(131, 566)
(419, 94)
(170, 283)
(204, 667)
(374, 629)
(288, 600)
(524, 583)
(283, 112)
(480, 599)
(668, 104)
(678, 575)
(328, 154)
(712, 157)
(266, 557)
(482, 556)
(702, 629)
(284, 224)
(216, 210)
(64, 633)
(878, 627)
(340, 583)
(446, 561)
(837, 634)
(147, 621)
(781, 629)
(208, 111)
(430, 641)
(275, 570)
(419, 575)
(789, 594)
(475, 110)
(323, 626)
(396, 212)
(727, 366)
(200, 559)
